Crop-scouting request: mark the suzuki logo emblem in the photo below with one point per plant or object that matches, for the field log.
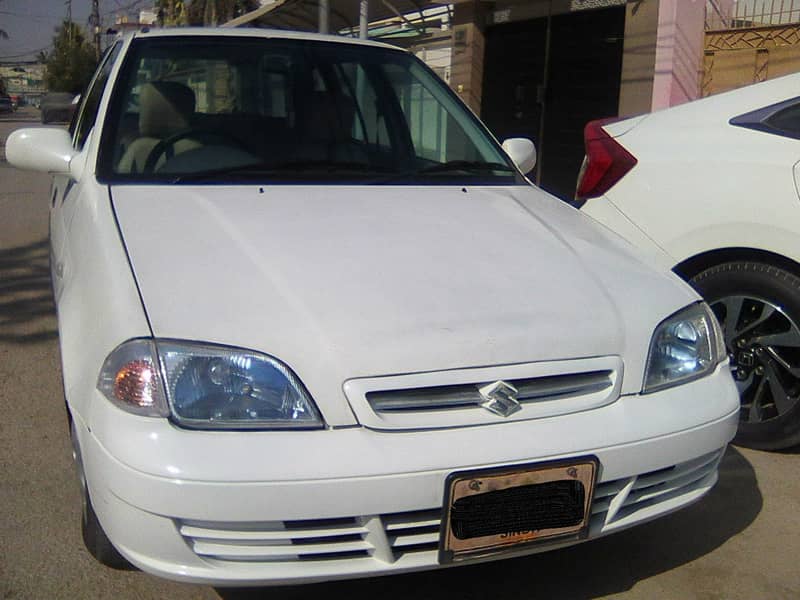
(500, 398)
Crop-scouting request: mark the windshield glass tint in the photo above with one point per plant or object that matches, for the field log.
(290, 111)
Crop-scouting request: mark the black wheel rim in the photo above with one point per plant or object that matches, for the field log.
(763, 344)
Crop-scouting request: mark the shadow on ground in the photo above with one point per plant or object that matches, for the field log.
(27, 311)
(597, 568)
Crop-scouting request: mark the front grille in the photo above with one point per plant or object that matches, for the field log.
(526, 508)
(622, 501)
(413, 532)
(278, 541)
(465, 396)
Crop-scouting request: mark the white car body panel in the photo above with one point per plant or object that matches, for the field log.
(99, 305)
(425, 279)
(156, 448)
(355, 287)
(679, 153)
(373, 476)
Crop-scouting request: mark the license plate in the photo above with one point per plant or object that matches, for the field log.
(499, 510)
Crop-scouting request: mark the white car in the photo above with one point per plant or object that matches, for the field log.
(710, 189)
(316, 324)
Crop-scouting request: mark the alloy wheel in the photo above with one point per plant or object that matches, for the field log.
(763, 345)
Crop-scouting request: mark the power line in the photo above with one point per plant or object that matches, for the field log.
(11, 13)
(29, 52)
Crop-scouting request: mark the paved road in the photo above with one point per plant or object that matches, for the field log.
(741, 541)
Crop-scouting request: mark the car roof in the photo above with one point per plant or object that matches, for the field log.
(252, 32)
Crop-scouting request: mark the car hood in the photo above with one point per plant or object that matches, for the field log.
(344, 282)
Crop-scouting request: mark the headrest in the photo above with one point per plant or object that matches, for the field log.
(165, 107)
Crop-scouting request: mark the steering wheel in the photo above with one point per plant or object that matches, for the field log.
(167, 145)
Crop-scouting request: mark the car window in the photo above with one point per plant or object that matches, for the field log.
(369, 126)
(87, 115)
(787, 121)
(435, 129)
(781, 119)
(290, 111)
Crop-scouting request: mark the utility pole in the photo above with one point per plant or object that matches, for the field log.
(69, 20)
(324, 16)
(363, 20)
(95, 22)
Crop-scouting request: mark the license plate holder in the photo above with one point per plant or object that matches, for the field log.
(492, 511)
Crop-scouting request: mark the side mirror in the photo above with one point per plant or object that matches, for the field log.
(522, 152)
(44, 149)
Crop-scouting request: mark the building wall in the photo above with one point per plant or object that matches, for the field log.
(662, 57)
(679, 52)
(466, 73)
(739, 57)
(638, 58)
(24, 78)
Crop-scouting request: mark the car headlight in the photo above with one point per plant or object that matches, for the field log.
(206, 386)
(685, 346)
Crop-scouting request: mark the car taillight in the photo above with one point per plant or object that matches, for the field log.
(605, 164)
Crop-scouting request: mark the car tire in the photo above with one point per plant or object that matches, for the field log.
(758, 306)
(94, 538)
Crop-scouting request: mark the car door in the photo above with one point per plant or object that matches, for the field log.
(65, 188)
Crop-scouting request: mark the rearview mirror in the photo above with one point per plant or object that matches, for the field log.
(44, 149)
(522, 152)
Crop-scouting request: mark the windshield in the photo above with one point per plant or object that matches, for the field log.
(227, 109)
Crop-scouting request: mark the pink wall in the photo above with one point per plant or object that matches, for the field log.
(679, 52)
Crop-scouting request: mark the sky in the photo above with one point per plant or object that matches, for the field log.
(30, 23)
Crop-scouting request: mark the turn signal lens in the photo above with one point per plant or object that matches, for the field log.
(137, 383)
(130, 379)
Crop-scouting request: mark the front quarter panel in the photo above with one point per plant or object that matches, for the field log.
(99, 306)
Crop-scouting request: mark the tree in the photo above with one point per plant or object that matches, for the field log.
(171, 13)
(71, 63)
(217, 12)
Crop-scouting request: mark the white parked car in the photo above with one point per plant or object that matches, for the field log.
(316, 324)
(711, 188)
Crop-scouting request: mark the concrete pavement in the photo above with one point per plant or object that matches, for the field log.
(741, 541)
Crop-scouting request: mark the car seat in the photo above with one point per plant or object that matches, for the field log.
(165, 109)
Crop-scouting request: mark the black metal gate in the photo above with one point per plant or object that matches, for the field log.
(545, 78)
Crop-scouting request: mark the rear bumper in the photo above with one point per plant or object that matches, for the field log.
(380, 493)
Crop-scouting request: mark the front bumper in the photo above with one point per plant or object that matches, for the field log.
(252, 508)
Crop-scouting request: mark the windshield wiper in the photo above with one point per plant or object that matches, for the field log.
(471, 167)
(290, 167)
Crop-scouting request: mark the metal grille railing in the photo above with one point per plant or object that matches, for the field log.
(746, 14)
